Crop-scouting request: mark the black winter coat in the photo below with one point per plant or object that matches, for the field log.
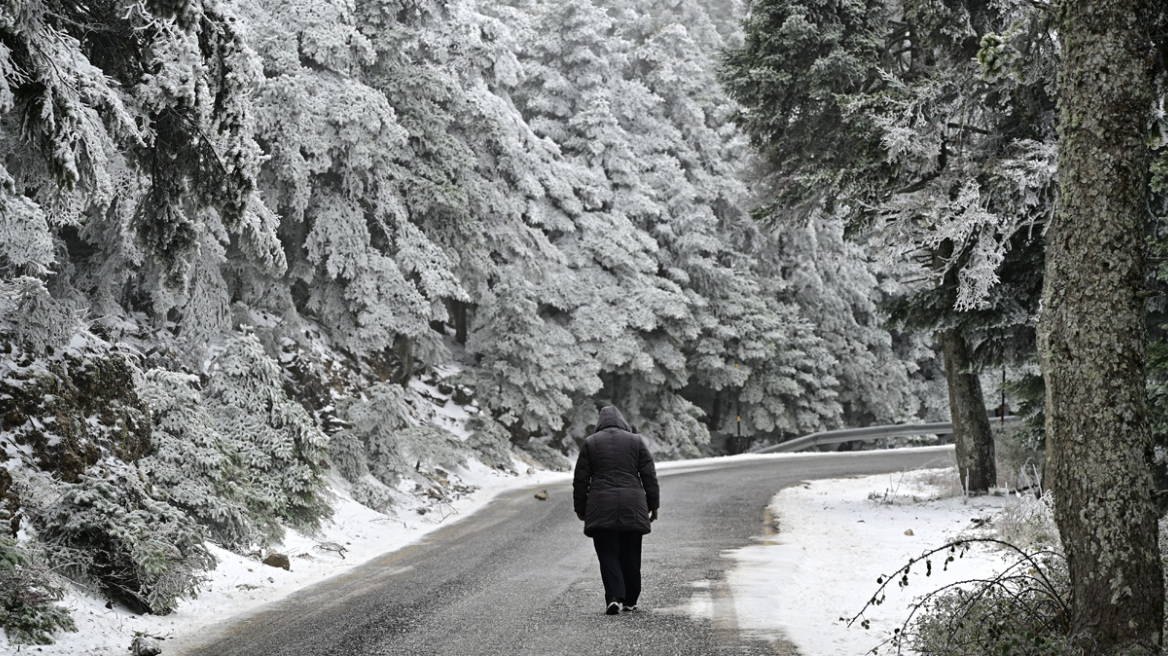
(615, 483)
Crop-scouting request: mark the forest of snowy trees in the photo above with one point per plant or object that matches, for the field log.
(1018, 150)
(233, 232)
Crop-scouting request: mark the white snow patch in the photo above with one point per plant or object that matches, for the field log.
(834, 539)
(241, 584)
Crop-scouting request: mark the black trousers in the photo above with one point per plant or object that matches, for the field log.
(619, 553)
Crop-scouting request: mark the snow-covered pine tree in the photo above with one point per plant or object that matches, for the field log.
(190, 465)
(787, 78)
(531, 368)
(840, 287)
(983, 169)
(481, 183)
(365, 451)
(335, 169)
(518, 184)
(59, 117)
(128, 149)
(280, 452)
(911, 138)
(789, 389)
(979, 148)
(707, 241)
(633, 320)
(387, 451)
(28, 592)
(108, 530)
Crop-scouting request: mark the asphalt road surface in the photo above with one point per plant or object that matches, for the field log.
(518, 578)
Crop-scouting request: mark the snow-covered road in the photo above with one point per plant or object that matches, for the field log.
(834, 538)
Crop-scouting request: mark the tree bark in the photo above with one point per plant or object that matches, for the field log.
(1091, 333)
(972, 435)
(715, 416)
(403, 347)
(460, 323)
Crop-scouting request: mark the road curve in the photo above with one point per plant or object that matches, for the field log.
(518, 578)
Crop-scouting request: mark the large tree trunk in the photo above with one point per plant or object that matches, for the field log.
(403, 347)
(1092, 338)
(715, 421)
(460, 321)
(972, 435)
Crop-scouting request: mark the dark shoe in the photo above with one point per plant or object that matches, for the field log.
(628, 609)
(613, 608)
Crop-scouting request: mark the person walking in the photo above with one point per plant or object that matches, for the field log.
(615, 493)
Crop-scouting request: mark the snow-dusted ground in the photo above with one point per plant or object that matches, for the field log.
(240, 584)
(817, 564)
(834, 539)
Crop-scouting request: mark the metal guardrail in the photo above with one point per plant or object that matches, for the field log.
(868, 433)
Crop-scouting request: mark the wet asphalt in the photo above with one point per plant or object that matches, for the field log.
(518, 578)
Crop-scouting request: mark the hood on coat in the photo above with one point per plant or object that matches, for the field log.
(610, 417)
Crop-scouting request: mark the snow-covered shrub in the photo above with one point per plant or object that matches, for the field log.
(384, 405)
(280, 451)
(140, 551)
(1022, 610)
(372, 494)
(27, 592)
(432, 446)
(381, 410)
(381, 447)
(372, 444)
(546, 455)
(39, 322)
(1028, 522)
(347, 454)
(394, 454)
(490, 440)
(190, 464)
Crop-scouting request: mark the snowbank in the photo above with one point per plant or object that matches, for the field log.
(818, 562)
(240, 584)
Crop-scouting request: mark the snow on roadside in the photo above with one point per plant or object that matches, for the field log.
(835, 538)
(354, 535)
(241, 584)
